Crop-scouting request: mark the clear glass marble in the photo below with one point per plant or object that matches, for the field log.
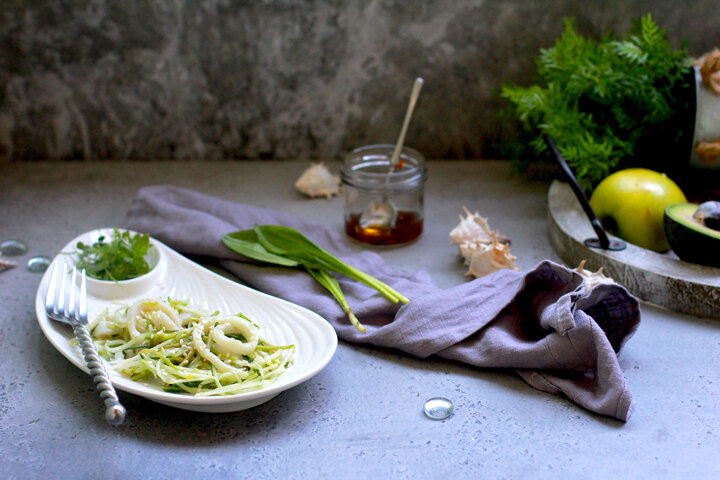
(439, 408)
(13, 248)
(38, 264)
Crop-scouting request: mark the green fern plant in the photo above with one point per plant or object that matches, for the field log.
(603, 101)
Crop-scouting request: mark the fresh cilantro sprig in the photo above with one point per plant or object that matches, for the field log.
(122, 257)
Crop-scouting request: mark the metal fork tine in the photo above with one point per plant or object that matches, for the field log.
(60, 305)
(82, 313)
(70, 307)
(52, 285)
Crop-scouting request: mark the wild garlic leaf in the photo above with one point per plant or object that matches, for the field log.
(246, 243)
(279, 245)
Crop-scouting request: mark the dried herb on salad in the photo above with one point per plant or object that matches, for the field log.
(121, 257)
(608, 104)
(287, 247)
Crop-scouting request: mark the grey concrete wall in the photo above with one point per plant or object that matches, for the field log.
(109, 79)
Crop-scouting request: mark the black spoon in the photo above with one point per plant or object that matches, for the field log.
(602, 241)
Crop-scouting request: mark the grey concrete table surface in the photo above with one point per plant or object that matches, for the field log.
(361, 417)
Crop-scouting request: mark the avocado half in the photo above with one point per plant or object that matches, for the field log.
(689, 239)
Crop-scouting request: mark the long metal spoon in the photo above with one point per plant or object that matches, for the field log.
(383, 213)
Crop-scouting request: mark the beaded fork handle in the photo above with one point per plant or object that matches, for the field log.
(114, 411)
(74, 312)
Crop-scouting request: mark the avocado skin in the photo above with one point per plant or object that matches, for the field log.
(687, 239)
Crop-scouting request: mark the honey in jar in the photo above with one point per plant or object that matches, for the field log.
(383, 206)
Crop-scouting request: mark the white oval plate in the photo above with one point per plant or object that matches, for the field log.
(174, 275)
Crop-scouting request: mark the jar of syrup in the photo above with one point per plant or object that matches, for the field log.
(383, 205)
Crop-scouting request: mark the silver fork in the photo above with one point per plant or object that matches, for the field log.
(74, 312)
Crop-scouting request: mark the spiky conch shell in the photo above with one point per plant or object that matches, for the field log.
(491, 257)
(317, 181)
(472, 229)
(593, 279)
(480, 246)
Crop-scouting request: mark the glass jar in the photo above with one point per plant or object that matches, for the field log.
(383, 207)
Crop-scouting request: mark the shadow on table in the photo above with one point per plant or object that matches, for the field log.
(506, 378)
(299, 409)
(157, 423)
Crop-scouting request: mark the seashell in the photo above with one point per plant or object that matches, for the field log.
(317, 181)
(5, 264)
(491, 257)
(468, 248)
(481, 247)
(472, 228)
(593, 279)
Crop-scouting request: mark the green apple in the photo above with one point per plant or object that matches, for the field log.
(631, 203)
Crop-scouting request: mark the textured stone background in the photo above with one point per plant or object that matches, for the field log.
(209, 79)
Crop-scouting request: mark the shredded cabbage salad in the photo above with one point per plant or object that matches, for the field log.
(188, 349)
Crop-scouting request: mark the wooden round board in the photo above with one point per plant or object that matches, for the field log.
(661, 279)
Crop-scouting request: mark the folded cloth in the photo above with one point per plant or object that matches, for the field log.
(557, 333)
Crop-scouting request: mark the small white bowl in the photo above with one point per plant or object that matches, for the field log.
(115, 290)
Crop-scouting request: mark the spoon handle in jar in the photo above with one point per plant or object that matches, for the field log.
(417, 86)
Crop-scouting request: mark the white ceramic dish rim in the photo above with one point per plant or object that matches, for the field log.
(59, 335)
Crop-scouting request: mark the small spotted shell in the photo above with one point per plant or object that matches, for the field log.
(317, 181)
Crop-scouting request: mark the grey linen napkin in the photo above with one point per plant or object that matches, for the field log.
(558, 335)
